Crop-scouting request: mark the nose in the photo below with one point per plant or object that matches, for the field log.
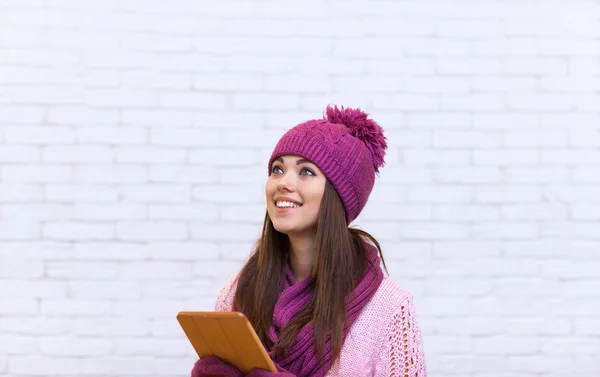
(286, 182)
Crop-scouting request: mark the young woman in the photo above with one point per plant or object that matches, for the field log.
(313, 289)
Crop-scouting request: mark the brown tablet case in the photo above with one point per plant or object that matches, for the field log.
(227, 335)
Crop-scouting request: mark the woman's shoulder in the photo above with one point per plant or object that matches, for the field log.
(389, 298)
(226, 295)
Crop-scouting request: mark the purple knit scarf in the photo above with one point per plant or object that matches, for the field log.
(301, 358)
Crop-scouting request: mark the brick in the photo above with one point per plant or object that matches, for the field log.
(19, 230)
(392, 212)
(502, 83)
(468, 66)
(473, 102)
(224, 232)
(228, 194)
(149, 154)
(215, 269)
(20, 306)
(148, 309)
(432, 230)
(570, 346)
(466, 249)
(468, 139)
(440, 194)
(35, 325)
(185, 137)
(509, 345)
(466, 175)
(190, 100)
(149, 346)
(584, 212)
(145, 231)
(17, 193)
(84, 192)
(111, 135)
(508, 194)
(105, 212)
(374, 84)
(543, 101)
(502, 157)
(406, 65)
(183, 174)
(67, 346)
(512, 230)
(265, 102)
(443, 212)
(18, 154)
(19, 268)
(437, 85)
(155, 270)
(109, 327)
(439, 120)
(189, 289)
(247, 213)
(110, 173)
(104, 289)
(534, 65)
(536, 175)
(297, 84)
(36, 173)
(546, 138)
(15, 287)
(82, 270)
(225, 81)
(572, 193)
(84, 154)
(75, 307)
(155, 193)
(435, 157)
(122, 97)
(458, 287)
(412, 102)
(33, 212)
(584, 137)
(506, 120)
(43, 365)
(21, 115)
(570, 269)
(535, 212)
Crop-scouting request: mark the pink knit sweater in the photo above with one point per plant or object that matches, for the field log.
(384, 341)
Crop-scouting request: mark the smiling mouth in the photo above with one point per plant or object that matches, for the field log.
(284, 204)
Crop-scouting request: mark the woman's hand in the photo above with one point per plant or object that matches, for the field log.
(212, 366)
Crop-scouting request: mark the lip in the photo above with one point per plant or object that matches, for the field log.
(286, 199)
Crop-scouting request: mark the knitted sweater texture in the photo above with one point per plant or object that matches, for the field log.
(384, 341)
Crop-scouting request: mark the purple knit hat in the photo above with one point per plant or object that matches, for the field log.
(347, 147)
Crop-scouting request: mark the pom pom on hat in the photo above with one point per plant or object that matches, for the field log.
(362, 128)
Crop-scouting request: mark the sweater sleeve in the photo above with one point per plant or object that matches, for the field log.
(403, 354)
(225, 299)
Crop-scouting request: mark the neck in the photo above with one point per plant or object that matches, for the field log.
(301, 256)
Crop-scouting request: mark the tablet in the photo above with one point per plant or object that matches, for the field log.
(227, 335)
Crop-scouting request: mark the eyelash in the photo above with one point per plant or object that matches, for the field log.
(312, 173)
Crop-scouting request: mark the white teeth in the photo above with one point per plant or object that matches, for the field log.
(287, 205)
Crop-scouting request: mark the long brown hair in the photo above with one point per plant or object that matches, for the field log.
(339, 262)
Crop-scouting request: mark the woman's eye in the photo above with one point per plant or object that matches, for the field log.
(276, 169)
(308, 171)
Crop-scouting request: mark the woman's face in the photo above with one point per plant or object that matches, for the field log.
(294, 191)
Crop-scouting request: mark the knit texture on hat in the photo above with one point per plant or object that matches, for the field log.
(348, 147)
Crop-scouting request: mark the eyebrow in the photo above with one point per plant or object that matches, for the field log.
(300, 161)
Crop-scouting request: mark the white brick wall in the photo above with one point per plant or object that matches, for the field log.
(134, 137)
